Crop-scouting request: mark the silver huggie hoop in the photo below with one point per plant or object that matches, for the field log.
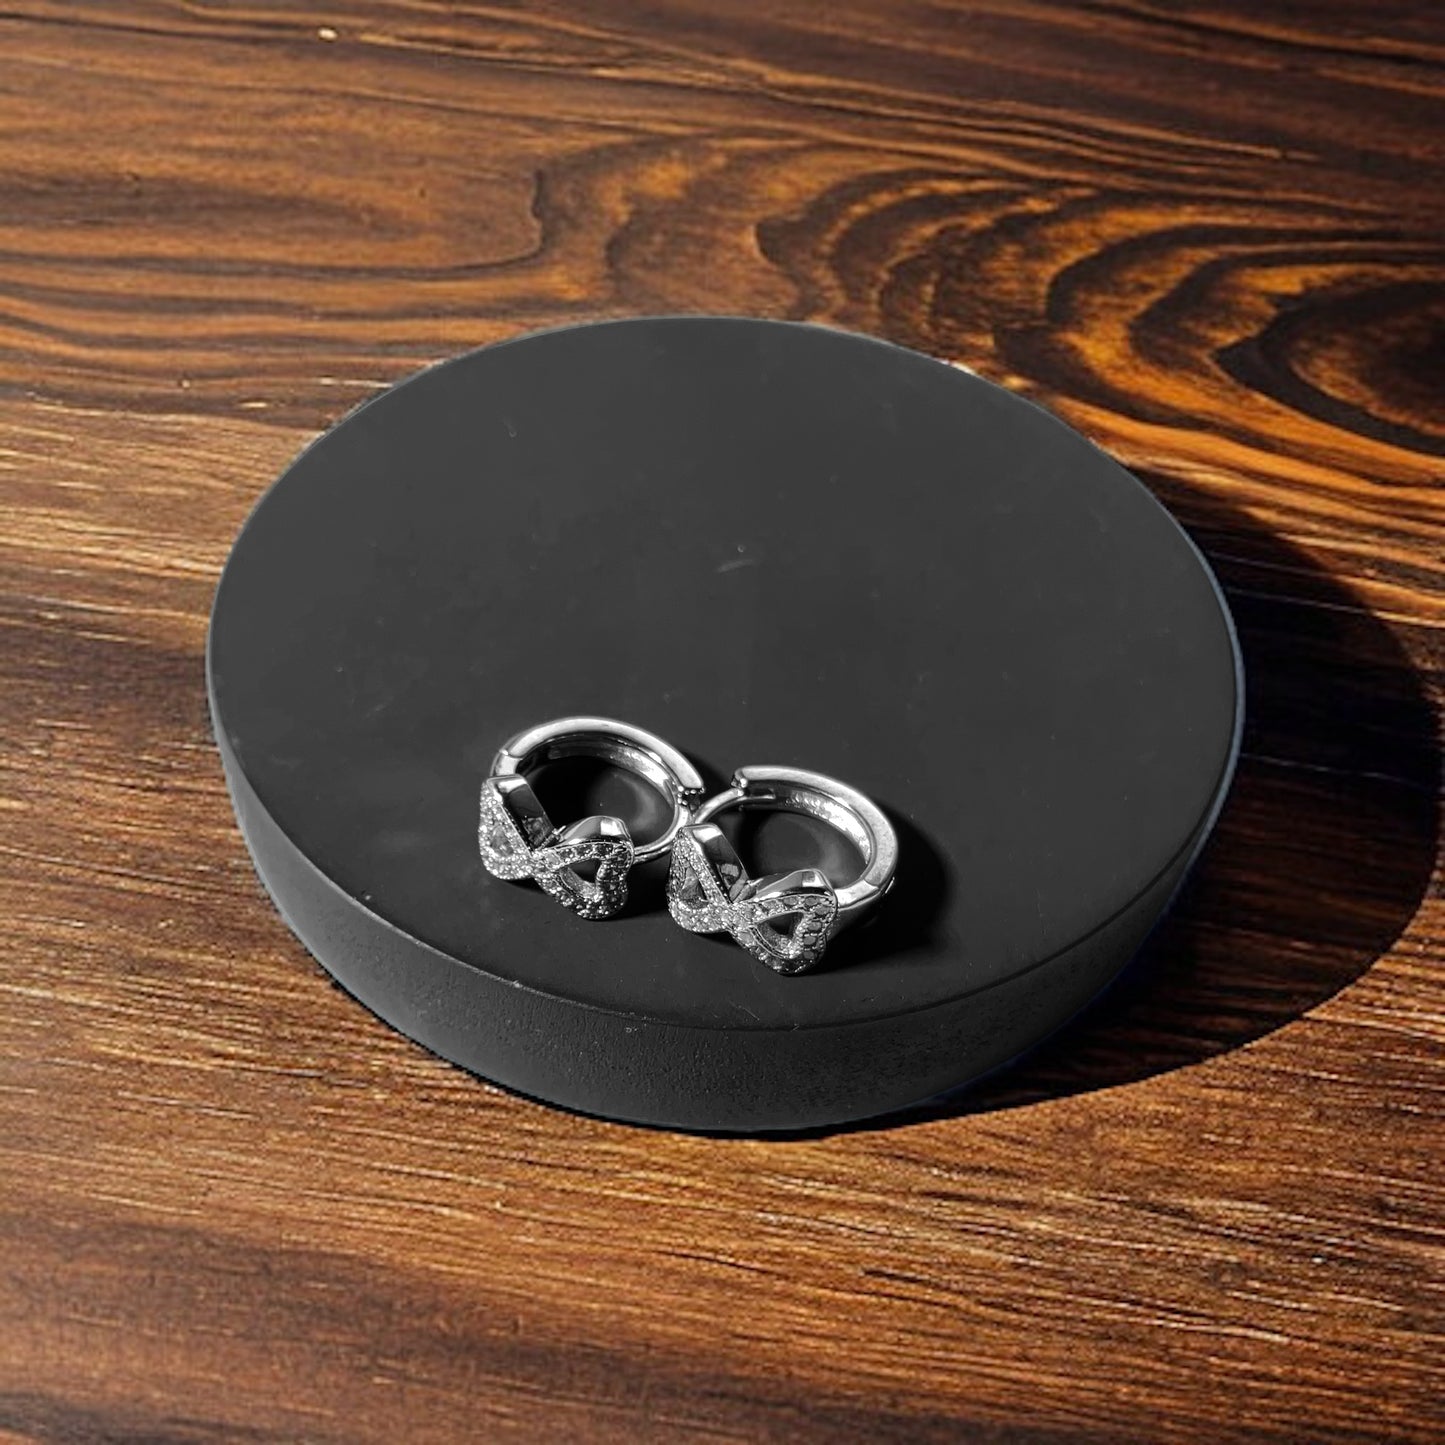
(518, 840)
(709, 891)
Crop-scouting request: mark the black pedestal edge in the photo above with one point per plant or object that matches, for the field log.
(706, 1080)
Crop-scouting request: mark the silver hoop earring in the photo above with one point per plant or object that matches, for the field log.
(518, 839)
(709, 891)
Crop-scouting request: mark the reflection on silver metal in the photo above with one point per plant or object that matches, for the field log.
(709, 891)
(518, 840)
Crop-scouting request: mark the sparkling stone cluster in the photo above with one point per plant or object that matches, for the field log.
(699, 901)
(506, 853)
(804, 948)
(695, 897)
(552, 868)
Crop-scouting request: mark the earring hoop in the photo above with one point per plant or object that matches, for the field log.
(518, 840)
(709, 891)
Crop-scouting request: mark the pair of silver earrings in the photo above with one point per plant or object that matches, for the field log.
(708, 889)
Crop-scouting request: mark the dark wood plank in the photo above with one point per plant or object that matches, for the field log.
(232, 1206)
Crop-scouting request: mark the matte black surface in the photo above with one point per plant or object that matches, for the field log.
(771, 543)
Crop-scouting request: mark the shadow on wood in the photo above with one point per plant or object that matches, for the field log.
(1321, 857)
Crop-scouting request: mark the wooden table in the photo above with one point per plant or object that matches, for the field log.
(235, 1207)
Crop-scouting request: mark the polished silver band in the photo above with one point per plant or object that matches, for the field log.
(650, 757)
(709, 890)
(853, 814)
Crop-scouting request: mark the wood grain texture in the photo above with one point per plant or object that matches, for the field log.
(235, 1207)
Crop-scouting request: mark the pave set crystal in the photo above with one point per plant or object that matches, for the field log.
(708, 891)
(518, 840)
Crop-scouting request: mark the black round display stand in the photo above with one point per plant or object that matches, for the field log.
(770, 543)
